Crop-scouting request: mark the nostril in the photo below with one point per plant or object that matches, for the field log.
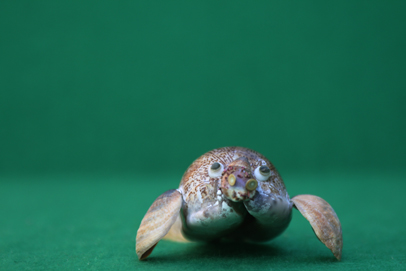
(231, 179)
(251, 185)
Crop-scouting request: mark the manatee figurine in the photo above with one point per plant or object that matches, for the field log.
(233, 193)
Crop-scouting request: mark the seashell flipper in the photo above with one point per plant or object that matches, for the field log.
(323, 220)
(157, 221)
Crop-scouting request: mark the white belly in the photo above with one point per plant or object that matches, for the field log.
(213, 221)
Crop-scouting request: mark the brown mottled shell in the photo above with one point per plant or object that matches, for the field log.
(199, 189)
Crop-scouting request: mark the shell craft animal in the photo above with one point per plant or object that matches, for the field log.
(234, 193)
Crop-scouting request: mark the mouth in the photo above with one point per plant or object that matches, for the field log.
(237, 195)
(241, 196)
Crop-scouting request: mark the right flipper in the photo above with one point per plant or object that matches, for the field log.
(323, 220)
(157, 222)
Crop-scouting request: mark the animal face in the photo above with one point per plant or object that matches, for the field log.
(238, 182)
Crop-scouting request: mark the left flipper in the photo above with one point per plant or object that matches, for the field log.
(323, 220)
(157, 222)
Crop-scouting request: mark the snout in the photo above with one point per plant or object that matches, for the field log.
(237, 182)
(242, 181)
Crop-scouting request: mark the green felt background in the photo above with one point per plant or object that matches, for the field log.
(104, 104)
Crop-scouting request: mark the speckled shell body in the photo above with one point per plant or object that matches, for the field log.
(206, 214)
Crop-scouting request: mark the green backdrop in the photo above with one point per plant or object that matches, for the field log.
(91, 85)
(98, 98)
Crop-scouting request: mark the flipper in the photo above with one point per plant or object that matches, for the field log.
(175, 233)
(157, 221)
(323, 220)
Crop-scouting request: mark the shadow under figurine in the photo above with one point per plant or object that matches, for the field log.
(234, 193)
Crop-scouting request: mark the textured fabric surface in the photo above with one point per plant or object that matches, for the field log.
(90, 223)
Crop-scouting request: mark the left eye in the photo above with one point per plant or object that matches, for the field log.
(262, 173)
(215, 170)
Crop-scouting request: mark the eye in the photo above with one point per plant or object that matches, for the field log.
(215, 170)
(262, 173)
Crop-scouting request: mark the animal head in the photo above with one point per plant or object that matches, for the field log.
(238, 180)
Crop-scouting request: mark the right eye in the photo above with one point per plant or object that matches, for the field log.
(215, 170)
(262, 173)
